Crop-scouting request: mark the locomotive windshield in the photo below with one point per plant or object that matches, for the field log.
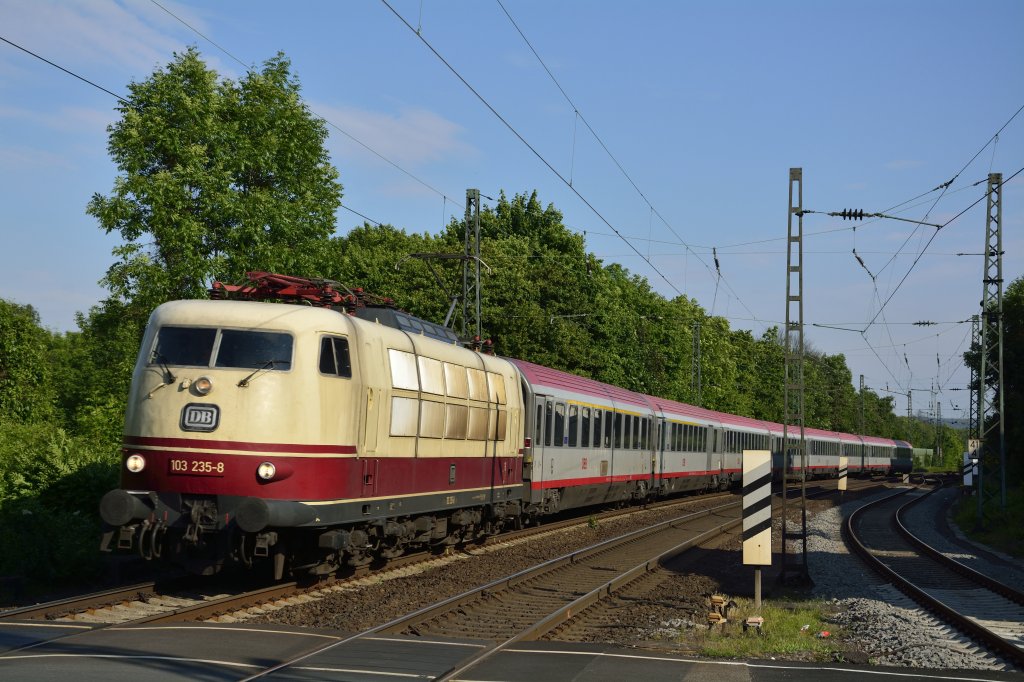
(228, 348)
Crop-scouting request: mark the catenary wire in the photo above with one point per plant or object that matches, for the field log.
(654, 211)
(522, 139)
(324, 119)
(67, 71)
(127, 103)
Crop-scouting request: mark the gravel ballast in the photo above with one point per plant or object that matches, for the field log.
(874, 618)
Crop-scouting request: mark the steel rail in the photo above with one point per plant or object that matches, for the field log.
(427, 612)
(978, 632)
(988, 582)
(421, 614)
(71, 604)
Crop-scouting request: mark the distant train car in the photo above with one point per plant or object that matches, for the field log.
(309, 439)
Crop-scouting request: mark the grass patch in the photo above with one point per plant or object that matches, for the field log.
(783, 634)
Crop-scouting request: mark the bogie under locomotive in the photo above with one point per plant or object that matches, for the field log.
(310, 440)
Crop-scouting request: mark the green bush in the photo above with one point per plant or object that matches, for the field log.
(50, 487)
(1000, 527)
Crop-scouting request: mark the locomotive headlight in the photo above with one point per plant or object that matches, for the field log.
(266, 471)
(203, 385)
(135, 463)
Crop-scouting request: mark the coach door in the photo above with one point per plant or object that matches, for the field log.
(543, 428)
(658, 450)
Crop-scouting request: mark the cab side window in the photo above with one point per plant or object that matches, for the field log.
(334, 359)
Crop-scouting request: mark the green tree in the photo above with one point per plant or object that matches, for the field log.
(217, 178)
(26, 388)
(1013, 378)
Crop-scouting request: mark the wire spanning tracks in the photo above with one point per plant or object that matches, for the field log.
(988, 611)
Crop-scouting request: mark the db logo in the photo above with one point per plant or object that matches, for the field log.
(198, 417)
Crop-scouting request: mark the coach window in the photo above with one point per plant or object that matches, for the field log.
(456, 421)
(497, 421)
(496, 388)
(585, 423)
(403, 370)
(574, 424)
(431, 375)
(457, 385)
(404, 416)
(478, 423)
(334, 358)
(617, 430)
(559, 424)
(609, 426)
(549, 426)
(538, 424)
(431, 419)
(477, 384)
(644, 430)
(597, 427)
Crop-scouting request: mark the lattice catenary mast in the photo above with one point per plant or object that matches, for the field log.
(991, 421)
(794, 570)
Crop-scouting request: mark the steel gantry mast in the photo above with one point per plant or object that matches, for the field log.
(471, 331)
(471, 326)
(991, 412)
(973, 419)
(794, 568)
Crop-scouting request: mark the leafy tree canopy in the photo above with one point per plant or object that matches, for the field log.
(217, 178)
(26, 389)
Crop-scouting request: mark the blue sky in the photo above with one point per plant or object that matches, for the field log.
(705, 105)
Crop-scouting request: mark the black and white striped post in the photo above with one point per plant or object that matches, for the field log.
(757, 514)
(843, 472)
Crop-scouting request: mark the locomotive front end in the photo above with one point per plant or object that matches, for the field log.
(225, 440)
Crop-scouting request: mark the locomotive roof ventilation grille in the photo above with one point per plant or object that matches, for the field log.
(406, 322)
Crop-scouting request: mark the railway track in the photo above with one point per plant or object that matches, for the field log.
(506, 610)
(136, 604)
(530, 604)
(190, 599)
(989, 612)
